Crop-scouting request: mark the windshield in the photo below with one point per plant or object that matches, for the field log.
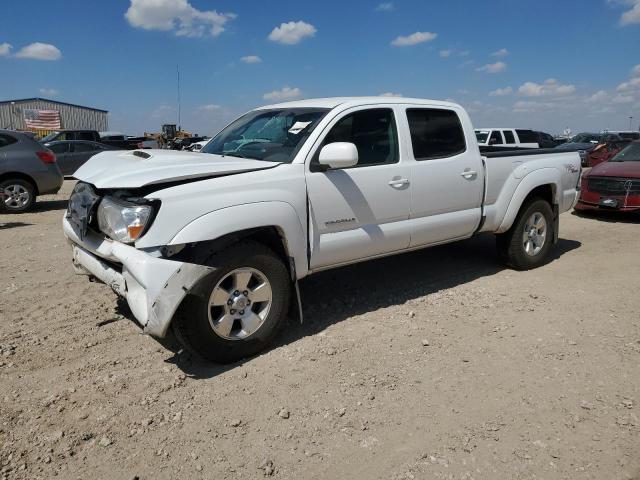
(630, 153)
(482, 135)
(273, 135)
(49, 137)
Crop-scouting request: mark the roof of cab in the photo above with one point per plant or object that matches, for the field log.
(333, 102)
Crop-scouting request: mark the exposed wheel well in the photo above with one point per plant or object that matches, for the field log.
(270, 236)
(545, 192)
(21, 176)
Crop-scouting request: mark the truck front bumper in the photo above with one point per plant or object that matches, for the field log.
(153, 286)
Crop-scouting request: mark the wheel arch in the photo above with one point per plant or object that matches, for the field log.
(274, 224)
(541, 183)
(22, 176)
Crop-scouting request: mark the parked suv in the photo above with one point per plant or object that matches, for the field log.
(507, 138)
(27, 169)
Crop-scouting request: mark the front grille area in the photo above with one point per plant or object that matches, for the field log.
(614, 185)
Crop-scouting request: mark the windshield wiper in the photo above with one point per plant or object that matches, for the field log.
(234, 154)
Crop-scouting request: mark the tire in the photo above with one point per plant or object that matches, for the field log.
(244, 318)
(19, 195)
(522, 247)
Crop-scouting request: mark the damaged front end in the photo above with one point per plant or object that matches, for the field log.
(153, 285)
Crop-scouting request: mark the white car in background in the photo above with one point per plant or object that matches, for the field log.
(507, 138)
(197, 146)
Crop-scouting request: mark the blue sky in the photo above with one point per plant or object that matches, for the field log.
(544, 64)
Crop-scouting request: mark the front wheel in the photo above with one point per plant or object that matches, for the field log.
(527, 243)
(239, 309)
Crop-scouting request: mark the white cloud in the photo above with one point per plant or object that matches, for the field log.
(550, 87)
(622, 99)
(390, 94)
(503, 52)
(632, 84)
(631, 16)
(292, 32)
(40, 51)
(211, 107)
(413, 39)
(385, 7)
(251, 59)
(5, 49)
(49, 92)
(445, 53)
(635, 71)
(178, 15)
(285, 93)
(501, 92)
(532, 106)
(493, 67)
(599, 96)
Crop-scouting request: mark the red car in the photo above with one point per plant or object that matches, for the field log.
(613, 185)
(603, 152)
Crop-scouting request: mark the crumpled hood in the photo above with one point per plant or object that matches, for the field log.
(138, 168)
(616, 169)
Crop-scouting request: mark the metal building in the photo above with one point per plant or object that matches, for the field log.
(42, 116)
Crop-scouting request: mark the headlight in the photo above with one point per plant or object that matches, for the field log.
(124, 222)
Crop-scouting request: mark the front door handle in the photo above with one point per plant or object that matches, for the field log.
(400, 182)
(469, 174)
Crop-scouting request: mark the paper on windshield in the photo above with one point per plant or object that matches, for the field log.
(298, 127)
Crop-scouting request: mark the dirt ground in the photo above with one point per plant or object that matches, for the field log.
(435, 364)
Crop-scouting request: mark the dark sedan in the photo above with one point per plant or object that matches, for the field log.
(72, 154)
(27, 169)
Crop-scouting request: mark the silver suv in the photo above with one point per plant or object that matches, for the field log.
(27, 169)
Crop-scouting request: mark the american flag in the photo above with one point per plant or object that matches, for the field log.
(42, 119)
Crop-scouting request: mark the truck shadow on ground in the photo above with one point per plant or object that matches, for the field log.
(336, 295)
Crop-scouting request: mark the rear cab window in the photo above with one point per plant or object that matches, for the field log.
(435, 133)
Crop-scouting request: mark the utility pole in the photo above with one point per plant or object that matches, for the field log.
(179, 120)
(630, 123)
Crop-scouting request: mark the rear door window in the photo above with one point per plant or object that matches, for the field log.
(508, 136)
(496, 138)
(84, 147)
(85, 136)
(435, 133)
(59, 148)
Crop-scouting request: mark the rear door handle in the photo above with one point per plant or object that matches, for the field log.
(468, 174)
(401, 182)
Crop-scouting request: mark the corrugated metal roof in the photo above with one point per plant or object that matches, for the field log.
(52, 101)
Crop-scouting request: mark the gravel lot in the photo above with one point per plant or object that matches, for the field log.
(434, 364)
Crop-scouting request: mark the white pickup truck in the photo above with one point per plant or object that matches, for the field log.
(212, 244)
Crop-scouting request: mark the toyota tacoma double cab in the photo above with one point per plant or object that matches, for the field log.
(211, 245)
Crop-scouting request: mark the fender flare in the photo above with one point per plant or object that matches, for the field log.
(237, 218)
(537, 178)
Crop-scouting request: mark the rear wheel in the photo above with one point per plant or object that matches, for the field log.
(527, 243)
(238, 309)
(17, 195)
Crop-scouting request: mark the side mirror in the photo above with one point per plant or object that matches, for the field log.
(339, 155)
